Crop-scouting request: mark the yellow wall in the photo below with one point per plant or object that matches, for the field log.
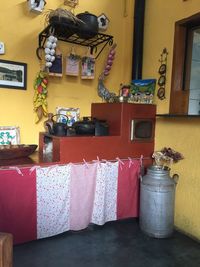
(181, 134)
(19, 31)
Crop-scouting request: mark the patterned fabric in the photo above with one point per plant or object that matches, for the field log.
(82, 188)
(53, 200)
(105, 202)
(42, 202)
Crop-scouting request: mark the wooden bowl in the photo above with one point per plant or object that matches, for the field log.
(16, 151)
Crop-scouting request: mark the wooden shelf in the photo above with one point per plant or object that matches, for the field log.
(177, 116)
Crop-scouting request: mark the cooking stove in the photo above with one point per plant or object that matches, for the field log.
(121, 141)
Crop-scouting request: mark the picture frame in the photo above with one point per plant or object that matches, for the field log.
(73, 115)
(142, 91)
(13, 74)
(9, 135)
(103, 22)
(36, 5)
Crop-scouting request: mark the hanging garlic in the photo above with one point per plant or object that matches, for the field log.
(50, 50)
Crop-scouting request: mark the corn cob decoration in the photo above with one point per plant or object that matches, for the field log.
(40, 96)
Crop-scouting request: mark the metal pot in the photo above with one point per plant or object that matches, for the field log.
(88, 28)
(85, 127)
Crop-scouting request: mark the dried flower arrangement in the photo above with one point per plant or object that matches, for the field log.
(166, 156)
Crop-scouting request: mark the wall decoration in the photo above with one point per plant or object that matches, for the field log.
(88, 66)
(56, 67)
(9, 135)
(103, 22)
(142, 91)
(13, 74)
(71, 3)
(2, 48)
(73, 63)
(40, 95)
(162, 71)
(73, 115)
(103, 92)
(124, 90)
(36, 5)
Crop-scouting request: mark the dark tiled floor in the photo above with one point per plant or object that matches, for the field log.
(116, 244)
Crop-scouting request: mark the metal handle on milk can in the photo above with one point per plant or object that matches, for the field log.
(175, 177)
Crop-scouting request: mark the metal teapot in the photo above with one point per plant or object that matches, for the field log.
(57, 128)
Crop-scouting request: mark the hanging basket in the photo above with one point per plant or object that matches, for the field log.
(62, 27)
(63, 22)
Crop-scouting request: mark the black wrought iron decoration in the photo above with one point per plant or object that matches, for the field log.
(99, 39)
(162, 71)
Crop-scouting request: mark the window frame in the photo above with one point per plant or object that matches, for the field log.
(179, 98)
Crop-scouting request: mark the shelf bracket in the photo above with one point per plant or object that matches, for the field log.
(110, 42)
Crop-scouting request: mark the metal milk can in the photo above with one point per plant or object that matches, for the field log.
(157, 199)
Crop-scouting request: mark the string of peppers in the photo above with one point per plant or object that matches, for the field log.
(40, 95)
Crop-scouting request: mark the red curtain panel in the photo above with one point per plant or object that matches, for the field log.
(18, 187)
(128, 189)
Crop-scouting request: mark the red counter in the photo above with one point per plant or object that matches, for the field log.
(22, 208)
(123, 119)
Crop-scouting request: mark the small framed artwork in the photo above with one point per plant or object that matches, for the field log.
(36, 5)
(9, 135)
(162, 80)
(57, 66)
(125, 90)
(13, 74)
(103, 22)
(87, 67)
(73, 64)
(73, 115)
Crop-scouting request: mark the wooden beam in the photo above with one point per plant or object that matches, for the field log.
(6, 250)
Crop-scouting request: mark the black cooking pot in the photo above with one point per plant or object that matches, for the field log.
(88, 26)
(91, 126)
(85, 127)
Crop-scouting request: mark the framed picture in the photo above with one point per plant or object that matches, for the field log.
(103, 22)
(13, 74)
(73, 115)
(142, 91)
(36, 5)
(9, 135)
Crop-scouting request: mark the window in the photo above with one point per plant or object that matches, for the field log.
(185, 87)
